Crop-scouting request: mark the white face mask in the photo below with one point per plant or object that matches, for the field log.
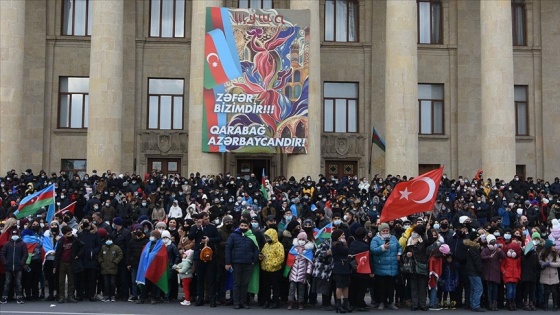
(436, 226)
(491, 247)
(217, 221)
(15, 238)
(415, 235)
(385, 235)
(167, 241)
(535, 242)
(301, 242)
(152, 238)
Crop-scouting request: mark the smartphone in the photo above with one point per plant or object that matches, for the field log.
(387, 241)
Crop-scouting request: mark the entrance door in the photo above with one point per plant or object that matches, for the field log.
(164, 165)
(341, 168)
(248, 166)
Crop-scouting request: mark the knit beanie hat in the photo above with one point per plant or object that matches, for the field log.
(156, 234)
(548, 244)
(336, 234)
(302, 236)
(536, 235)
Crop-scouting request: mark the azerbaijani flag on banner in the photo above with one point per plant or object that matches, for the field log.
(154, 266)
(263, 186)
(32, 241)
(220, 66)
(323, 233)
(32, 203)
(291, 259)
(376, 138)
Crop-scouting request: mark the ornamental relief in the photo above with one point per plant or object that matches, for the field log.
(342, 145)
(158, 142)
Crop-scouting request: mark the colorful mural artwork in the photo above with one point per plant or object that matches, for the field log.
(256, 84)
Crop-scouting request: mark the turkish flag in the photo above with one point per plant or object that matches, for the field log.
(416, 195)
(362, 260)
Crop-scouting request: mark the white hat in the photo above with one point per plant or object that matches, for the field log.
(545, 201)
(519, 211)
(555, 224)
(165, 234)
(204, 196)
(464, 218)
(490, 238)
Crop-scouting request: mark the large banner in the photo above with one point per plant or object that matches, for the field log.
(256, 83)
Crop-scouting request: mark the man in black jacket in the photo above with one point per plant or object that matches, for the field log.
(13, 256)
(204, 233)
(66, 260)
(133, 253)
(474, 271)
(86, 279)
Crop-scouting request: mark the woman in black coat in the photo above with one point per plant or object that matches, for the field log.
(530, 274)
(86, 278)
(416, 248)
(341, 270)
(359, 281)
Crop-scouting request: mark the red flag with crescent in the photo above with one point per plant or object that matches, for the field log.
(416, 195)
(362, 262)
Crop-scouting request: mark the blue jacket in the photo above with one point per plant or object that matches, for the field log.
(385, 261)
(240, 249)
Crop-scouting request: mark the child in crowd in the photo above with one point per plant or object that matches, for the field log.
(185, 270)
(449, 280)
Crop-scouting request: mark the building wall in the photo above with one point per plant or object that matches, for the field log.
(455, 63)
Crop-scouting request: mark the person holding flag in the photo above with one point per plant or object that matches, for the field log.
(362, 275)
(32, 239)
(153, 269)
(386, 252)
(50, 239)
(300, 264)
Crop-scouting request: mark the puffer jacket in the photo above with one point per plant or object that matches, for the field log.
(184, 268)
(273, 253)
(474, 261)
(491, 264)
(555, 237)
(14, 255)
(92, 245)
(301, 267)
(511, 267)
(109, 259)
(530, 267)
(385, 260)
(549, 275)
(323, 263)
(240, 249)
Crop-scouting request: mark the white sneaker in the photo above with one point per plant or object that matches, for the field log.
(184, 302)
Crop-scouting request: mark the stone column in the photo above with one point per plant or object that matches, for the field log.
(300, 165)
(498, 114)
(401, 89)
(12, 31)
(205, 163)
(104, 137)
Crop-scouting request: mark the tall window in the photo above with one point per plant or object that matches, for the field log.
(518, 22)
(341, 20)
(430, 22)
(73, 167)
(430, 101)
(76, 17)
(165, 107)
(73, 103)
(255, 4)
(340, 107)
(521, 111)
(167, 18)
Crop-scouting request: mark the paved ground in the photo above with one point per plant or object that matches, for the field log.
(117, 308)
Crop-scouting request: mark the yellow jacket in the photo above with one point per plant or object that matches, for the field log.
(273, 253)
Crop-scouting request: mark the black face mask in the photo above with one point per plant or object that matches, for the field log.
(243, 230)
(85, 225)
(308, 229)
(66, 219)
(138, 234)
(295, 232)
(228, 227)
(54, 231)
(273, 226)
(444, 226)
(36, 228)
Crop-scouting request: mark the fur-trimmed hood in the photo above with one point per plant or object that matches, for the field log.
(308, 245)
(470, 243)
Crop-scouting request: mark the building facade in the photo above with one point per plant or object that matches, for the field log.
(115, 84)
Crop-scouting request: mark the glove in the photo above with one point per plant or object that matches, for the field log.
(547, 264)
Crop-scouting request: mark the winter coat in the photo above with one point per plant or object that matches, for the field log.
(530, 267)
(356, 247)
(77, 252)
(340, 257)
(474, 261)
(511, 267)
(92, 246)
(385, 261)
(273, 253)
(241, 249)
(491, 264)
(323, 263)
(549, 275)
(185, 268)
(14, 255)
(121, 238)
(302, 266)
(555, 237)
(450, 275)
(109, 259)
(172, 254)
(134, 251)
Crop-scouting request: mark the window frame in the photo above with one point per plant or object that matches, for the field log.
(356, 99)
(514, 5)
(75, 171)
(516, 106)
(161, 20)
(87, 31)
(357, 18)
(432, 41)
(260, 7)
(432, 101)
(172, 106)
(60, 94)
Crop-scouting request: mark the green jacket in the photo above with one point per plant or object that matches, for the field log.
(109, 259)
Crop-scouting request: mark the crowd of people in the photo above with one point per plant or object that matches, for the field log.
(283, 242)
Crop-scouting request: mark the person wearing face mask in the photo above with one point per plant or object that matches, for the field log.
(491, 256)
(416, 248)
(148, 287)
(530, 268)
(121, 236)
(173, 258)
(132, 255)
(272, 259)
(286, 220)
(142, 209)
(241, 254)
(175, 211)
(86, 278)
(360, 282)
(109, 258)
(32, 238)
(50, 238)
(511, 268)
(108, 212)
(185, 271)
(386, 252)
(67, 259)
(13, 256)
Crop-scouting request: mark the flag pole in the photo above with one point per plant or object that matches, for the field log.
(370, 154)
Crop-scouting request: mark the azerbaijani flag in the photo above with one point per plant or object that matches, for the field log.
(376, 138)
(291, 259)
(220, 66)
(32, 203)
(32, 241)
(263, 186)
(154, 266)
(323, 233)
(48, 247)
